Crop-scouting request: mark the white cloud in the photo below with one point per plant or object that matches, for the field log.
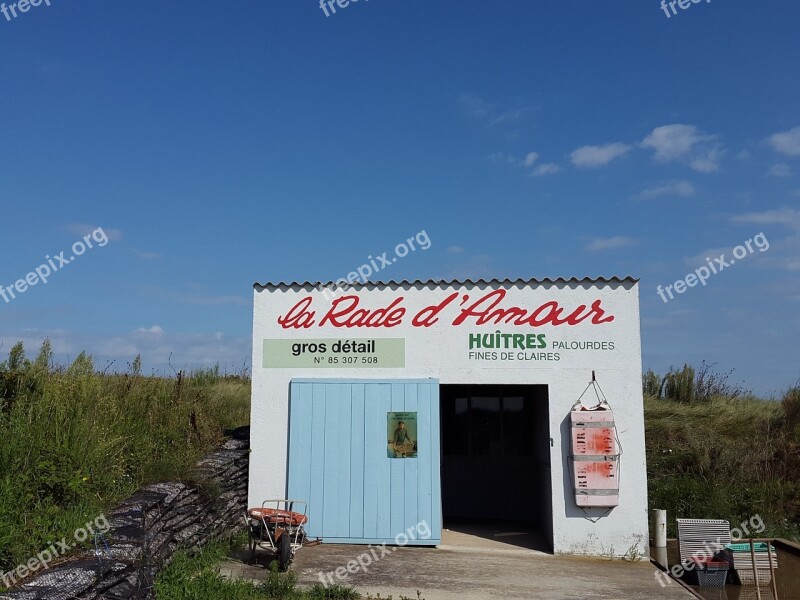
(527, 161)
(455, 250)
(598, 156)
(32, 340)
(503, 157)
(671, 142)
(188, 350)
(787, 142)
(681, 188)
(83, 229)
(702, 258)
(546, 169)
(477, 108)
(708, 162)
(155, 330)
(684, 143)
(473, 105)
(788, 217)
(780, 170)
(184, 297)
(531, 158)
(600, 244)
(772, 251)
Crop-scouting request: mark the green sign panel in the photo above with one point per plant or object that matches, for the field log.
(335, 353)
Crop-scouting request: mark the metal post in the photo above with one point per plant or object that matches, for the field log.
(658, 522)
(659, 527)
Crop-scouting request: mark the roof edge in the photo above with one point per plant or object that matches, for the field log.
(448, 282)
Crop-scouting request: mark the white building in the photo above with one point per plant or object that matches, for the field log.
(483, 375)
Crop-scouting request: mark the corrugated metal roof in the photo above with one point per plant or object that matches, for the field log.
(452, 282)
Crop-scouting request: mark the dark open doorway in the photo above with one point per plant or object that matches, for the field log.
(496, 462)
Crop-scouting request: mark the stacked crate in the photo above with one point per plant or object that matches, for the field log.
(743, 562)
(701, 543)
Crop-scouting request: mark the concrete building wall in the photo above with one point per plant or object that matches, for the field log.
(584, 325)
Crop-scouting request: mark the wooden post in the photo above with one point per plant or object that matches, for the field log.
(772, 570)
(755, 570)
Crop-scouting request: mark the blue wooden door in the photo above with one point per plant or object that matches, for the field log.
(338, 461)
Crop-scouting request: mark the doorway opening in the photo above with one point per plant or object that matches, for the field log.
(496, 465)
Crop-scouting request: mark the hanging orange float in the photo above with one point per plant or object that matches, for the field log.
(595, 455)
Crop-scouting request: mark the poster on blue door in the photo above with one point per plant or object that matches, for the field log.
(402, 434)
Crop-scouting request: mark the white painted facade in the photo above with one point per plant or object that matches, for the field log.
(441, 350)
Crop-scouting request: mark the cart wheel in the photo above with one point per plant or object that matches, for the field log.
(284, 551)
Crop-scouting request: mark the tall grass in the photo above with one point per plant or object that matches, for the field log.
(723, 455)
(74, 441)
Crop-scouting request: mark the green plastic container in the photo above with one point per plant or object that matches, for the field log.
(757, 547)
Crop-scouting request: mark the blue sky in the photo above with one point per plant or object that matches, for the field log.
(218, 144)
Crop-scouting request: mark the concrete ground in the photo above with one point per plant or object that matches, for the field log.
(476, 564)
